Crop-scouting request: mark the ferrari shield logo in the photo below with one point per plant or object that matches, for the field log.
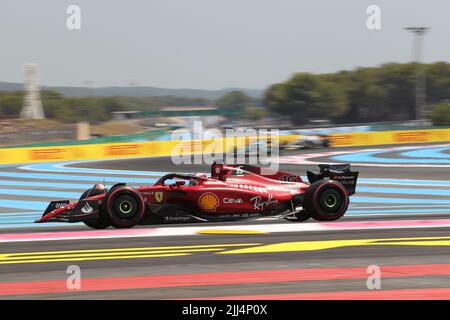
(159, 196)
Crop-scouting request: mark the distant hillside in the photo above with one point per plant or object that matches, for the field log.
(136, 91)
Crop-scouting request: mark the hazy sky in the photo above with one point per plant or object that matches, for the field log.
(210, 44)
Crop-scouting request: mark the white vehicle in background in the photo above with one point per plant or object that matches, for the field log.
(308, 142)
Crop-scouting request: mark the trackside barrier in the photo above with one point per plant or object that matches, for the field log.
(389, 137)
(165, 148)
(121, 150)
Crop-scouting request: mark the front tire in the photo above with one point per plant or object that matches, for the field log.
(326, 200)
(125, 207)
(97, 224)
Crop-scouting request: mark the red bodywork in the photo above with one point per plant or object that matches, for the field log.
(231, 191)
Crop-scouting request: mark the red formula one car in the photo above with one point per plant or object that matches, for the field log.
(232, 192)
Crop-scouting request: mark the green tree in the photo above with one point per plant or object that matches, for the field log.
(276, 98)
(437, 82)
(235, 99)
(254, 113)
(11, 104)
(305, 97)
(384, 93)
(440, 114)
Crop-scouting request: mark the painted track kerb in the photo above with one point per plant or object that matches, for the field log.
(195, 231)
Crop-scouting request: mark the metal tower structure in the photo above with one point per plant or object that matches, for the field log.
(419, 33)
(32, 105)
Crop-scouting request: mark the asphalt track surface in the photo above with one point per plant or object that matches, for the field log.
(384, 227)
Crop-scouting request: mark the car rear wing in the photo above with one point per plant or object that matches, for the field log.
(339, 172)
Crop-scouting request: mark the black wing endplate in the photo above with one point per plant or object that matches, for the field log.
(56, 205)
(339, 172)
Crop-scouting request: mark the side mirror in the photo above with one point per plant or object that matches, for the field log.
(180, 183)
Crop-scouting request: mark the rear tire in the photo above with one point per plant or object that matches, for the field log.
(326, 200)
(125, 207)
(300, 216)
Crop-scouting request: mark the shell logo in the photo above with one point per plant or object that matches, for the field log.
(208, 202)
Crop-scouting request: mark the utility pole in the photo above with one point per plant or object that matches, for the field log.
(419, 33)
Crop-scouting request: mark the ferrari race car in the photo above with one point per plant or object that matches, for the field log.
(232, 192)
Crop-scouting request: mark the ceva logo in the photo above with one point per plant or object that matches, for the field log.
(233, 201)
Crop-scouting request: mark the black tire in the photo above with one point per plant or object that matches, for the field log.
(125, 207)
(97, 224)
(101, 223)
(302, 215)
(326, 200)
